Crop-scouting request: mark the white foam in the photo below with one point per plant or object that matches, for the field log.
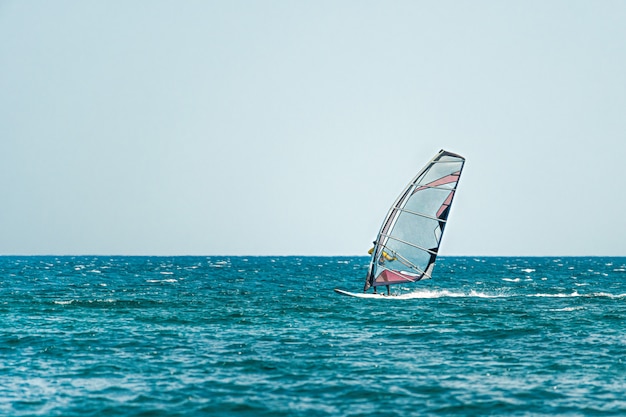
(575, 294)
(568, 309)
(433, 294)
(429, 294)
(558, 295)
(608, 295)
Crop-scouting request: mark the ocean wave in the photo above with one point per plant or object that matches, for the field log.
(568, 308)
(576, 294)
(425, 294)
(430, 294)
(106, 302)
(84, 302)
(158, 281)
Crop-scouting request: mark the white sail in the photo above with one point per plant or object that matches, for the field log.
(406, 247)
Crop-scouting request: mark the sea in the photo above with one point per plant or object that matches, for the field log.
(268, 336)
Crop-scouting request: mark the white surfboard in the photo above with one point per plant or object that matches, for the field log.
(361, 294)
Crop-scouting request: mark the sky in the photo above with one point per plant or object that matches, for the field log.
(286, 127)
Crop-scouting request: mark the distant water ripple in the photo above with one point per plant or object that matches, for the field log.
(263, 336)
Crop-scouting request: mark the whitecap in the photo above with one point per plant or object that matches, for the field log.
(511, 279)
(558, 295)
(429, 294)
(475, 293)
(158, 281)
(218, 264)
(576, 294)
(568, 308)
(608, 295)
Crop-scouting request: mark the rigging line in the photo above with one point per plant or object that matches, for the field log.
(452, 178)
(436, 187)
(421, 215)
(409, 243)
(439, 161)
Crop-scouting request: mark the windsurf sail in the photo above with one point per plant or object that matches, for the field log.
(406, 247)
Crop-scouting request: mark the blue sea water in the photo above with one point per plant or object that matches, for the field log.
(267, 336)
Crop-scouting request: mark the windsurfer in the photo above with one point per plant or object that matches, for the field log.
(381, 261)
(384, 256)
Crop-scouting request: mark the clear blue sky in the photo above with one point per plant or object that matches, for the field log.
(289, 127)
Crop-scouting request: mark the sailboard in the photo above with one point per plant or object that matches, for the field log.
(359, 295)
(407, 244)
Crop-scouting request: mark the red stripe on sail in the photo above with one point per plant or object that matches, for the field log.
(448, 179)
(389, 277)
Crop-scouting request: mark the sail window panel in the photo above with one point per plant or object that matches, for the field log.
(410, 229)
(427, 201)
(438, 232)
(439, 171)
(451, 161)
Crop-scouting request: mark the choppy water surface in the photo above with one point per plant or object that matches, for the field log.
(220, 336)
